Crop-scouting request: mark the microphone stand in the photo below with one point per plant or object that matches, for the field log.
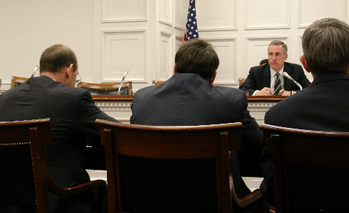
(289, 77)
(122, 81)
(36, 68)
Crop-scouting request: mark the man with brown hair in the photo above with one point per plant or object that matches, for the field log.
(189, 98)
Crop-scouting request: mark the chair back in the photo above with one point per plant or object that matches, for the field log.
(22, 176)
(25, 181)
(15, 81)
(241, 81)
(311, 169)
(107, 89)
(169, 168)
(156, 82)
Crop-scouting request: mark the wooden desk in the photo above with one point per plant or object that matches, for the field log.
(119, 106)
(259, 105)
(116, 106)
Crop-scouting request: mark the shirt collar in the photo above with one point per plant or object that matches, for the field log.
(273, 72)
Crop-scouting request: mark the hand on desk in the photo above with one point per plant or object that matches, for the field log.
(287, 93)
(284, 93)
(266, 91)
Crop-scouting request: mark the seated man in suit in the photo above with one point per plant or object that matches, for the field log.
(72, 113)
(324, 104)
(189, 98)
(268, 79)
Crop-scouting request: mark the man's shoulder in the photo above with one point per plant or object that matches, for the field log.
(293, 66)
(260, 69)
(228, 92)
(147, 89)
(57, 89)
(287, 104)
(145, 93)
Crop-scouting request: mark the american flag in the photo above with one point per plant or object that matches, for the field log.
(192, 29)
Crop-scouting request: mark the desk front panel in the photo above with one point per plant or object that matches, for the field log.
(119, 106)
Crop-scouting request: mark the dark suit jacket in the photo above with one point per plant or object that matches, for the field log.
(322, 106)
(259, 77)
(187, 99)
(73, 114)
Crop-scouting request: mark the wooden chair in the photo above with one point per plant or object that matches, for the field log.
(241, 81)
(107, 89)
(171, 168)
(156, 82)
(24, 177)
(15, 81)
(311, 169)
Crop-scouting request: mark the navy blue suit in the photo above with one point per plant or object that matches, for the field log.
(322, 106)
(187, 99)
(259, 77)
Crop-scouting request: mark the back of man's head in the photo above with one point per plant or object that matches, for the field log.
(197, 56)
(56, 57)
(326, 46)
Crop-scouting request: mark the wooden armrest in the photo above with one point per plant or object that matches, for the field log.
(77, 189)
(248, 199)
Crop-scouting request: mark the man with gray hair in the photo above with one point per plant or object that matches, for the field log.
(322, 106)
(268, 79)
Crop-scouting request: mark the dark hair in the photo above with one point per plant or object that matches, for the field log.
(264, 61)
(197, 56)
(56, 57)
(326, 46)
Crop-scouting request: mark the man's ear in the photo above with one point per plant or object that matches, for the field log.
(213, 77)
(174, 69)
(286, 56)
(304, 62)
(69, 70)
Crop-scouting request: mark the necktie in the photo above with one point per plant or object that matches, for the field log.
(277, 85)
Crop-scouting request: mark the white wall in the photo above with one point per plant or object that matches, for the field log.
(27, 27)
(109, 36)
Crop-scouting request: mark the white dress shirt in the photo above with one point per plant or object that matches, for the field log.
(273, 78)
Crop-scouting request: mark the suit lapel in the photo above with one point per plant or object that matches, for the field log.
(266, 76)
(287, 83)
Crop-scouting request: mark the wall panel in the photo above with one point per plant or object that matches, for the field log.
(216, 15)
(267, 14)
(165, 56)
(124, 50)
(180, 13)
(121, 10)
(165, 11)
(312, 10)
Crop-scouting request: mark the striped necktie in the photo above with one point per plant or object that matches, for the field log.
(277, 85)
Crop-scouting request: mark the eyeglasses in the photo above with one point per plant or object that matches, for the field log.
(78, 79)
(277, 55)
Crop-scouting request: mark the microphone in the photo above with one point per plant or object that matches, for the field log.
(289, 77)
(122, 80)
(36, 68)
